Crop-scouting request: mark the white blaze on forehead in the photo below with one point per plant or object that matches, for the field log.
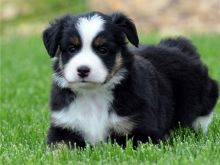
(88, 28)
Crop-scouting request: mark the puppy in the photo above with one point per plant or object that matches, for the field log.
(101, 90)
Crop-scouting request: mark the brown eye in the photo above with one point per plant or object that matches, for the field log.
(102, 50)
(72, 49)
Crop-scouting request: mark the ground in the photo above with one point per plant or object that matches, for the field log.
(24, 114)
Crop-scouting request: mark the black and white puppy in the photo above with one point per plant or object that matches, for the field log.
(102, 90)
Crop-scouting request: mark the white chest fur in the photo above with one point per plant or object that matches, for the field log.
(89, 115)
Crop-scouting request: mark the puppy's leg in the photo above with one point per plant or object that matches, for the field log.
(202, 122)
(58, 135)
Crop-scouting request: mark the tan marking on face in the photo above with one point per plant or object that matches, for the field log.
(60, 62)
(99, 42)
(116, 67)
(75, 40)
(60, 58)
(118, 64)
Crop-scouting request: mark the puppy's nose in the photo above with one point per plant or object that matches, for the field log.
(83, 71)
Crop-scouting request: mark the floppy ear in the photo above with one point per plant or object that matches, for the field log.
(127, 26)
(52, 35)
(51, 38)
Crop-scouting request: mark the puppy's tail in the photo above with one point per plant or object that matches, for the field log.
(183, 44)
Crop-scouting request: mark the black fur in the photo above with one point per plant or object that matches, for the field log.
(127, 26)
(166, 84)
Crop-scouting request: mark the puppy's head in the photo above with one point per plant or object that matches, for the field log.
(86, 49)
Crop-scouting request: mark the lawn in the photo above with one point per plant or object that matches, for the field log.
(24, 114)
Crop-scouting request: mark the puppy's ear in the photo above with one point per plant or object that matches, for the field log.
(127, 26)
(51, 39)
(52, 35)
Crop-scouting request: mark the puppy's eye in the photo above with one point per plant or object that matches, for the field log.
(102, 50)
(72, 49)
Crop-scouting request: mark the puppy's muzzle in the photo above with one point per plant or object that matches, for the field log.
(83, 71)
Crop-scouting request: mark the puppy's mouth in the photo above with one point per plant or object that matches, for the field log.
(84, 85)
(83, 81)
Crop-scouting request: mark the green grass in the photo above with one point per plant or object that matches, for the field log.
(39, 11)
(24, 115)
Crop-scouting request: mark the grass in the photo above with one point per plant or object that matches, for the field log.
(35, 12)
(41, 10)
(24, 115)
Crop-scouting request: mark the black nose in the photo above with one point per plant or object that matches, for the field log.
(83, 71)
